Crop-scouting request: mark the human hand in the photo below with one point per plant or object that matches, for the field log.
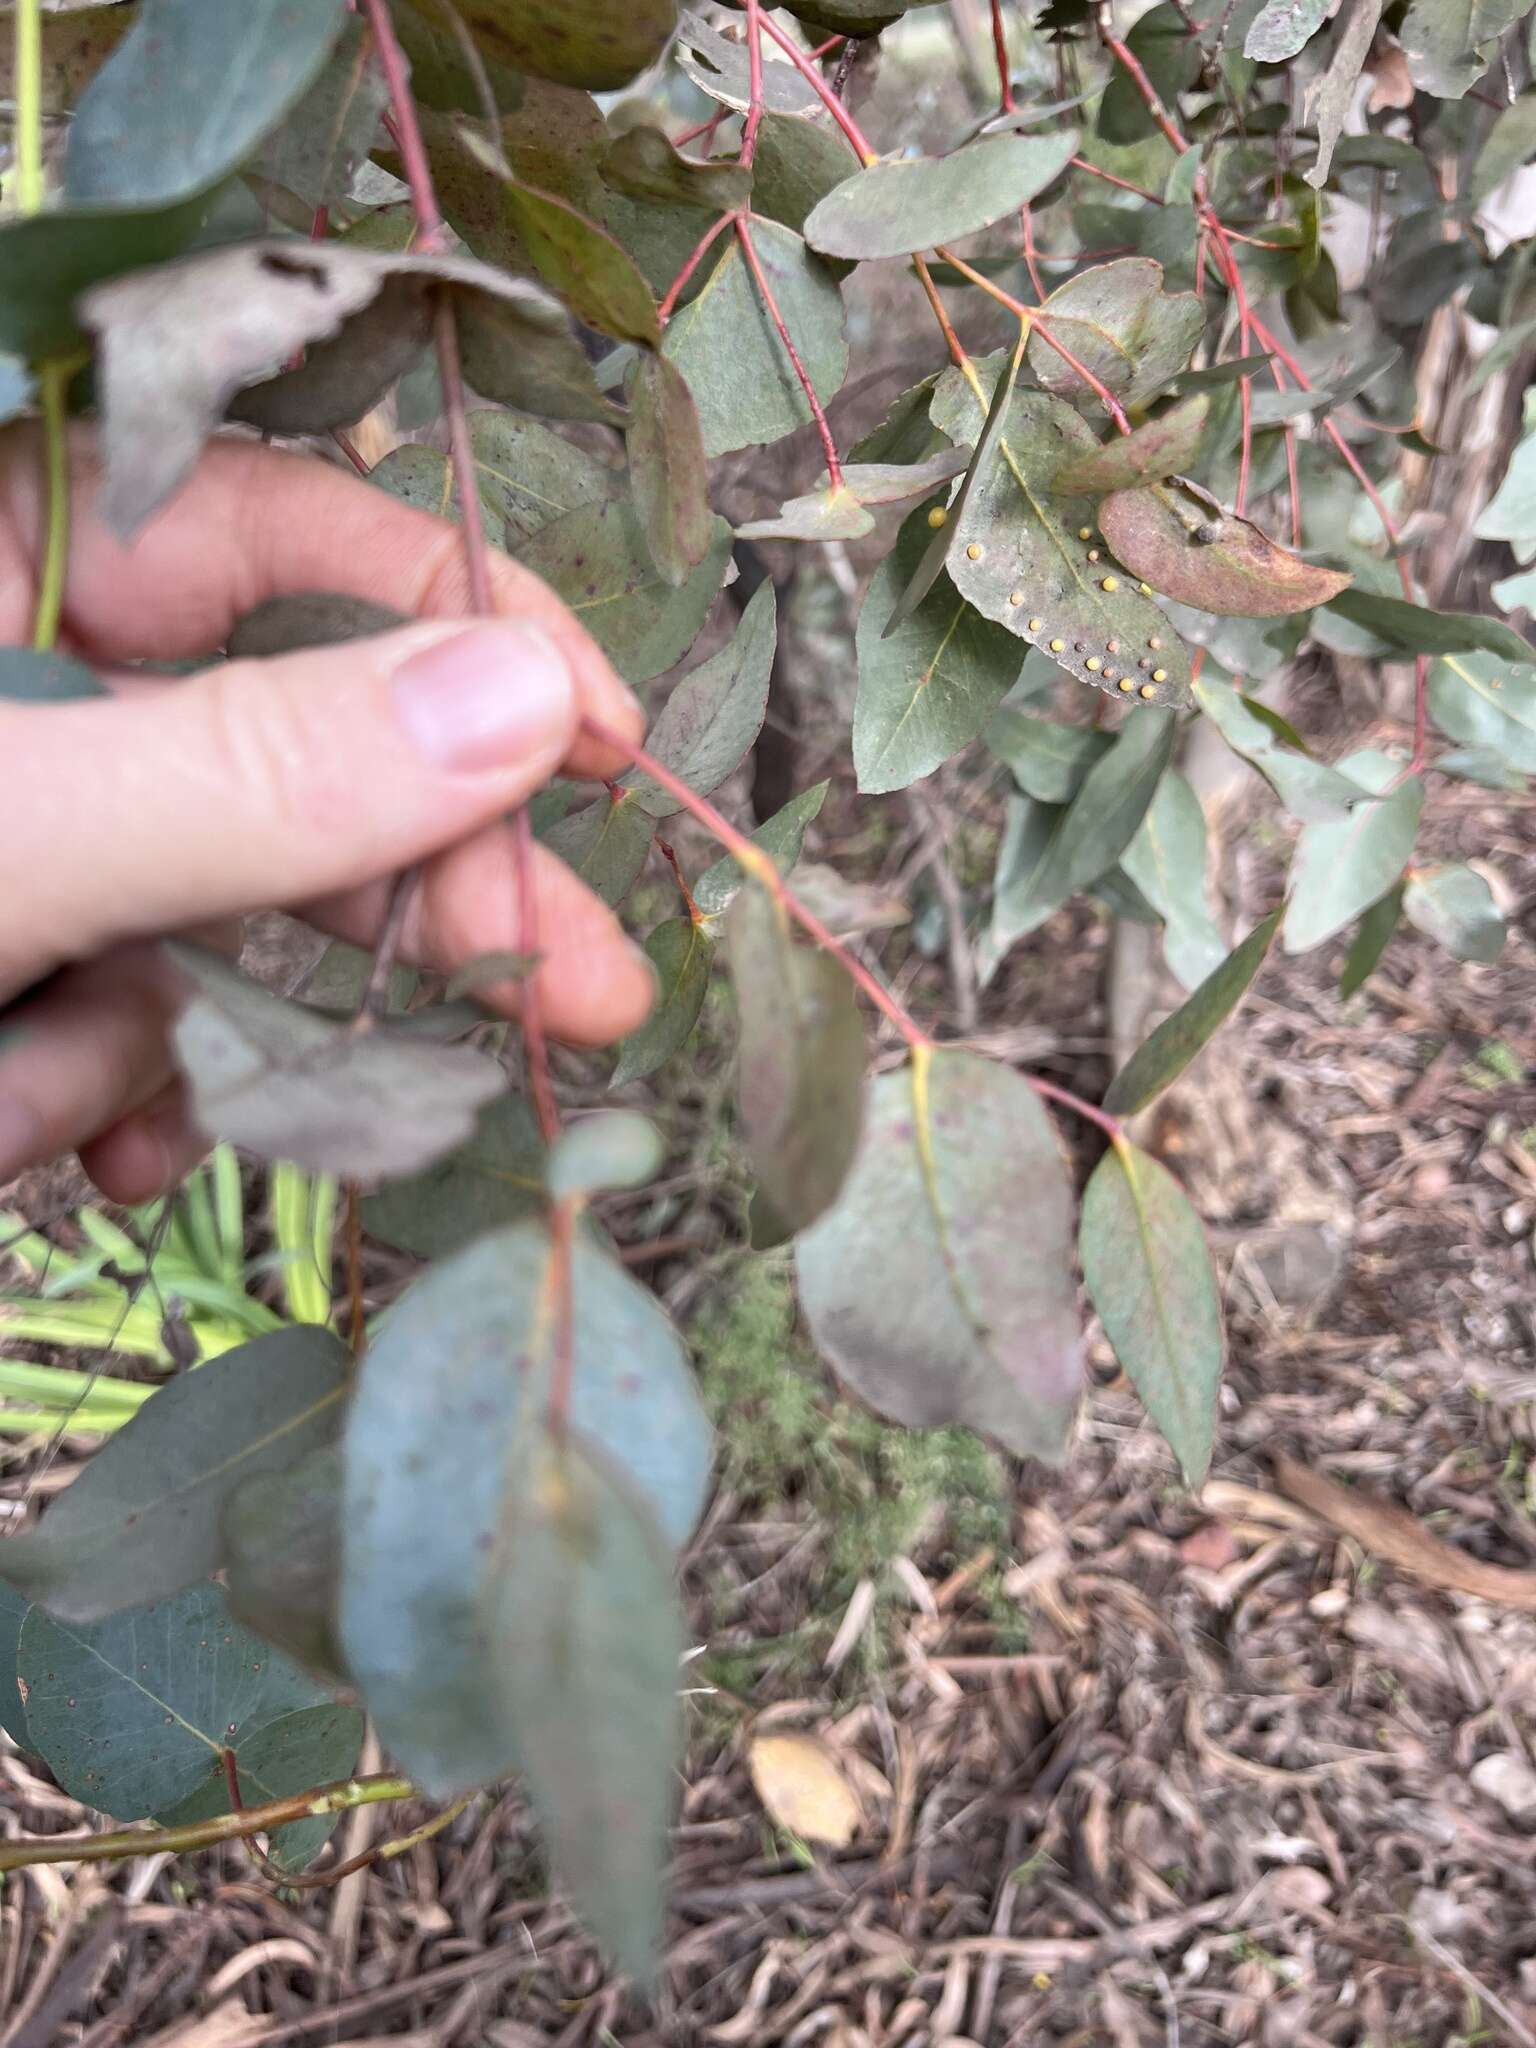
(303, 783)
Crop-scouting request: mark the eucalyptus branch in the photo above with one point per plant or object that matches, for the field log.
(27, 30)
(53, 381)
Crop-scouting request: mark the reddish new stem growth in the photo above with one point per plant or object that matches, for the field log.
(765, 290)
(691, 263)
(1000, 45)
(754, 83)
(1110, 1125)
(757, 864)
(834, 106)
(957, 354)
(681, 880)
(1032, 319)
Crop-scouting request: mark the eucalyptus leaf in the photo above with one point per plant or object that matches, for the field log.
(1117, 319)
(644, 164)
(1328, 96)
(913, 203)
(607, 1148)
(1215, 561)
(27, 677)
(1487, 702)
(237, 72)
(1372, 936)
(1283, 27)
(823, 514)
(282, 1559)
(725, 342)
(1164, 1055)
(797, 164)
(780, 837)
(681, 952)
(713, 716)
(605, 843)
(939, 1285)
(311, 1746)
(1415, 629)
(1166, 860)
(600, 47)
(496, 1177)
(802, 1060)
(13, 1708)
(1048, 761)
(1310, 790)
(927, 688)
(721, 69)
(142, 1519)
(318, 150)
(1165, 446)
(132, 1713)
(668, 471)
(1340, 869)
(1454, 905)
(1148, 1273)
(277, 1078)
(596, 558)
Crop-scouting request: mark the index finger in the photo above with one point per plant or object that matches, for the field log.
(253, 523)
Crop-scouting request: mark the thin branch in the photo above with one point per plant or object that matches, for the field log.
(1029, 317)
(755, 863)
(1000, 47)
(1109, 1125)
(765, 291)
(854, 135)
(691, 263)
(53, 379)
(27, 140)
(754, 83)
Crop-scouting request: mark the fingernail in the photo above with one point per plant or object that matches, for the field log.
(487, 697)
(21, 1136)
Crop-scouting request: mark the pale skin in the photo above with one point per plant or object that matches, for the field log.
(303, 783)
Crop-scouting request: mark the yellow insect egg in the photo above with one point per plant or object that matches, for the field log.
(1057, 646)
(937, 515)
(1085, 533)
(1126, 683)
(1145, 589)
(1093, 662)
(1147, 690)
(1110, 583)
(1153, 641)
(1015, 597)
(973, 552)
(1159, 675)
(1093, 554)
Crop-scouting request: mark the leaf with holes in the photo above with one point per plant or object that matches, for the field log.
(142, 1519)
(1067, 850)
(1016, 550)
(1455, 906)
(131, 1713)
(1118, 321)
(802, 1060)
(27, 677)
(605, 843)
(1148, 1273)
(177, 343)
(1212, 560)
(596, 558)
(1166, 860)
(713, 716)
(1341, 868)
(668, 471)
(1484, 701)
(495, 1178)
(312, 1746)
(927, 689)
(939, 1285)
(681, 953)
(285, 1082)
(913, 203)
(1163, 1056)
(579, 260)
(281, 1537)
(726, 343)
(781, 838)
(237, 72)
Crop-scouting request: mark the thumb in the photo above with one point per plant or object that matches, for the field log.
(269, 782)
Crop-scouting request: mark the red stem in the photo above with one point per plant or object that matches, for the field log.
(670, 857)
(760, 278)
(691, 263)
(1081, 163)
(345, 445)
(413, 151)
(754, 82)
(757, 864)
(1127, 56)
(1029, 315)
(1027, 221)
(834, 106)
(957, 354)
(1000, 45)
(1110, 1125)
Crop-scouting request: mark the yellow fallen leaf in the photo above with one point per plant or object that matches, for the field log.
(802, 1786)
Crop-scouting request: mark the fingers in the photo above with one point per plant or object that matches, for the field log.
(273, 781)
(594, 984)
(148, 1152)
(252, 524)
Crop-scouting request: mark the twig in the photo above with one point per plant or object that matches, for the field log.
(691, 263)
(1109, 1125)
(771, 304)
(28, 88)
(1000, 46)
(53, 380)
(1031, 319)
(834, 106)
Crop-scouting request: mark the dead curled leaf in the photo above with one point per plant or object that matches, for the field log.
(803, 1787)
(177, 341)
(1391, 1533)
(1212, 560)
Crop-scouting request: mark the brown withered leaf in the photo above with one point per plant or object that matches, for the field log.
(1212, 560)
(803, 1787)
